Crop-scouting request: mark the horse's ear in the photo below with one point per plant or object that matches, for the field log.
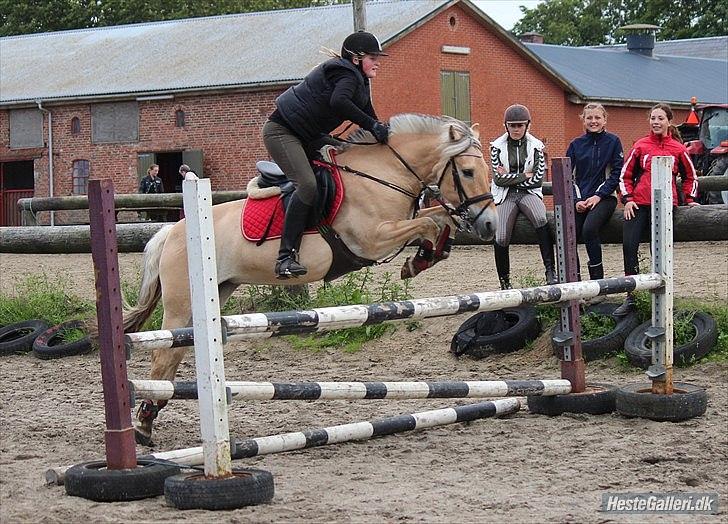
(455, 135)
(475, 128)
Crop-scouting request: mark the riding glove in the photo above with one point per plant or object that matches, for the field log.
(380, 132)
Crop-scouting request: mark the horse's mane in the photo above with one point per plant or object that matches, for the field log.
(417, 124)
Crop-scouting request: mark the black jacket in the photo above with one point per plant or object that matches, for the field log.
(151, 185)
(331, 93)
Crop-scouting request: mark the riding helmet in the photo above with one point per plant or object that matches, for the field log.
(517, 114)
(361, 43)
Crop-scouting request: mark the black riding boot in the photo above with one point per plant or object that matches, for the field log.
(546, 245)
(596, 272)
(295, 222)
(502, 265)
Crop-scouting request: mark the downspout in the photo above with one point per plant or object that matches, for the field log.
(50, 156)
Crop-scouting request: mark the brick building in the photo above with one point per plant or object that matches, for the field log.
(197, 91)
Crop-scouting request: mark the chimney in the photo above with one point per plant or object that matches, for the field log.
(640, 38)
(531, 38)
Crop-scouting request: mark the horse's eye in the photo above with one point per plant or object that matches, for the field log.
(468, 173)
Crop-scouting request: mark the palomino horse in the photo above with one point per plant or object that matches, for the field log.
(426, 156)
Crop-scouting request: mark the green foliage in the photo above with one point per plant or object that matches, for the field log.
(37, 16)
(595, 22)
(354, 288)
(38, 297)
(594, 325)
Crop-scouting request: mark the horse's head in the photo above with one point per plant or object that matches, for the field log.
(457, 167)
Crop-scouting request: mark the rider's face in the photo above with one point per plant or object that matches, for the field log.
(369, 65)
(516, 130)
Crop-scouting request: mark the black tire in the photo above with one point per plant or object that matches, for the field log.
(612, 342)
(492, 332)
(93, 481)
(49, 344)
(639, 350)
(247, 487)
(686, 402)
(19, 337)
(596, 399)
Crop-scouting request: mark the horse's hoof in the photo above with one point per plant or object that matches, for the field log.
(142, 438)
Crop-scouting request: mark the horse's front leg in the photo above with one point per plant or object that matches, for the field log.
(428, 254)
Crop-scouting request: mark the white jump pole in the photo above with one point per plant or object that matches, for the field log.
(201, 261)
(660, 372)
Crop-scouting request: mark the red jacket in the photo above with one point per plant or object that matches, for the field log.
(635, 182)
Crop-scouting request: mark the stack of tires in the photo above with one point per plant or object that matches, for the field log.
(45, 341)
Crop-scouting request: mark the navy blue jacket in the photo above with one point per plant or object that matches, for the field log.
(596, 159)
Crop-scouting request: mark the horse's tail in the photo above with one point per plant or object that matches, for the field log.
(150, 289)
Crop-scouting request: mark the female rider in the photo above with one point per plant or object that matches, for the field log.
(518, 164)
(333, 92)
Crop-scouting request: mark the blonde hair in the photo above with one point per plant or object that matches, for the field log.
(593, 105)
(151, 168)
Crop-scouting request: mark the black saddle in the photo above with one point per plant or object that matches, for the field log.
(271, 175)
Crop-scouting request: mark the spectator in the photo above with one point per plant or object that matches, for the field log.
(635, 185)
(596, 159)
(152, 184)
(518, 163)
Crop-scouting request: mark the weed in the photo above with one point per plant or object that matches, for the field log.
(40, 297)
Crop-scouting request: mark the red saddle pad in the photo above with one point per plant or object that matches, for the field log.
(257, 213)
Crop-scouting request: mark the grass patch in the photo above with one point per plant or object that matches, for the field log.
(355, 288)
(39, 297)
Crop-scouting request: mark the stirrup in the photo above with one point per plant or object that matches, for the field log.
(289, 268)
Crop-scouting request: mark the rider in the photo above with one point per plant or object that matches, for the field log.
(519, 165)
(333, 92)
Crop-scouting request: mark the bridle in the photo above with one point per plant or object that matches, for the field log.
(460, 214)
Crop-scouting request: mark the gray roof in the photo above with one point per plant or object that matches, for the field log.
(715, 47)
(198, 53)
(626, 76)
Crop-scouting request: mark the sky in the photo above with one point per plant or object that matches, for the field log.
(505, 12)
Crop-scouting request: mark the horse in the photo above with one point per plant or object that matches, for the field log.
(425, 156)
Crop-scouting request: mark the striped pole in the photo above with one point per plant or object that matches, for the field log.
(167, 390)
(332, 435)
(376, 428)
(265, 325)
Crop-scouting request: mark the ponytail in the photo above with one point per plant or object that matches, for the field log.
(675, 133)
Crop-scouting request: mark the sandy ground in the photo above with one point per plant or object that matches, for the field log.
(525, 468)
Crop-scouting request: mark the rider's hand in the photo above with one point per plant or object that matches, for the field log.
(380, 132)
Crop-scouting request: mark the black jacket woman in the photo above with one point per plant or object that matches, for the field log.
(332, 93)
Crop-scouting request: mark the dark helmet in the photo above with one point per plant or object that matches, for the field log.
(361, 43)
(517, 113)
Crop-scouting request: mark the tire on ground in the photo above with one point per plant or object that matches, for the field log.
(247, 487)
(19, 337)
(93, 481)
(500, 331)
(50, 343)
(639, 350)
(612, 342)
(596, 399)
(686, 402)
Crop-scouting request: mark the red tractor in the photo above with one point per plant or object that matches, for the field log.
(705, 133)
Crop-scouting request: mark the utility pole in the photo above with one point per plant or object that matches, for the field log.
(360, 15)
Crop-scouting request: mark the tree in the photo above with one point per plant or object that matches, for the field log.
(594, 22)
(36, 16)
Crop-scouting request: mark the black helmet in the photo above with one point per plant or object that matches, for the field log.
(517, 114)
(361, 43)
